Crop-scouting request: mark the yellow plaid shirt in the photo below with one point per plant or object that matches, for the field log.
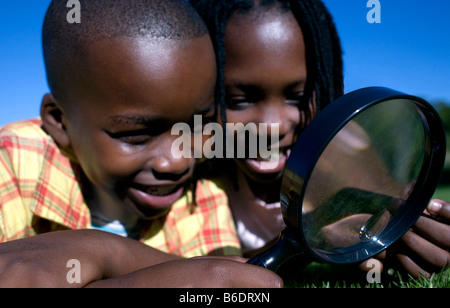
(39, 193)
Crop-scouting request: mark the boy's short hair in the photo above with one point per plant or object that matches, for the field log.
(64, 43)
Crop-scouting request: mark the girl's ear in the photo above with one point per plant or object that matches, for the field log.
(52, 116)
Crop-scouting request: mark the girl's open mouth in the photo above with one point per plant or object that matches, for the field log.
(273, 164)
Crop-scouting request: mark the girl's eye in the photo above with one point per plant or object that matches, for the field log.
(238, 103)
(297, 99)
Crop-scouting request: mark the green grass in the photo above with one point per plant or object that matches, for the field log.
(442, 192)
(330, 276)
(317, 275)
(437, 280)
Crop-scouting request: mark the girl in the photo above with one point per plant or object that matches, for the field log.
(281, 62)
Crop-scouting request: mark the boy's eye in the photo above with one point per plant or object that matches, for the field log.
(138, 137)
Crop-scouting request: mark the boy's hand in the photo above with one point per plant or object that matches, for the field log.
(42, 261)
(199, 272)
(425, 248)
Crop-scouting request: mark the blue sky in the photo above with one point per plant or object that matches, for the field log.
(408, 51)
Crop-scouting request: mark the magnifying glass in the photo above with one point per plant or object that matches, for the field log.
(358, 178)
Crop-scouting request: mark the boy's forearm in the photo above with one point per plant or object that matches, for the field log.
(116, 255)
(129, 255)
(42, 261)
(198, 272)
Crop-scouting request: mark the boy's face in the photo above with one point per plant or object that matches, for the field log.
(265, 78)
(120, 129)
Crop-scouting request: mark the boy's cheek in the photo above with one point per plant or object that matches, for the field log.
(112, 171)
(107, 168)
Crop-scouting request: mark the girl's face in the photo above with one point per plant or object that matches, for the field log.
(265, 77)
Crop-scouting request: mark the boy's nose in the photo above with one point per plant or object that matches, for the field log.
(167, 167)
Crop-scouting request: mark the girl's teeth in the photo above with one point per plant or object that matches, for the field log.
(275, 156)
(270, 155)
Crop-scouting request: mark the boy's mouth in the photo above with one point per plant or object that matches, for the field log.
(155, 200)
(157, 190)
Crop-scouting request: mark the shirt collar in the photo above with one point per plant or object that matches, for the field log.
(58, 196)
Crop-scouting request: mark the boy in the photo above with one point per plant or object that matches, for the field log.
(100, 155)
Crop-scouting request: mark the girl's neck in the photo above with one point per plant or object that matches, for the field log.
(268, 192)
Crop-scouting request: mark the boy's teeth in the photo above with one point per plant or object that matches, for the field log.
(157, 191)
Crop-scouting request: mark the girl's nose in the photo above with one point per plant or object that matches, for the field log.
(277, 116)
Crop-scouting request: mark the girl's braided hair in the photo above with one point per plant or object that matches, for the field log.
(323, 48)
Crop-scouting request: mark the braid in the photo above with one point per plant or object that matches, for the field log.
(324, 53)
(216, 14)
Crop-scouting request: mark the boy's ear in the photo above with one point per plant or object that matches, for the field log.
(52, 116)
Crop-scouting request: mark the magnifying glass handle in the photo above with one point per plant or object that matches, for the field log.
(284, 249)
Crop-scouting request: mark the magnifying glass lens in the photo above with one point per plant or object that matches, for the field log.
(363, 178)
(359, 176)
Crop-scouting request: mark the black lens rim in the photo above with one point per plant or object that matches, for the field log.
(313, 141)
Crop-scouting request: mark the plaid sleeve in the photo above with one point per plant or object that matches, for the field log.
(219, 231)
(8, 186)
(17, 183)
(39, 191)
(197, 230)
